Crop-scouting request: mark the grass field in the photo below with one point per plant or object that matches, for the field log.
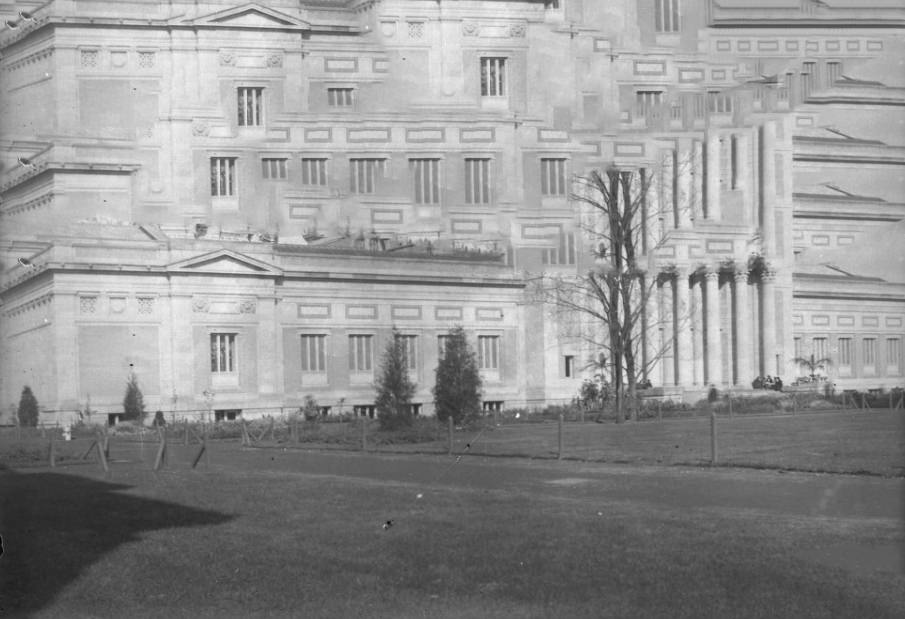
(279, 532)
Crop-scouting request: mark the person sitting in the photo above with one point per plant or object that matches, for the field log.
(777, 384)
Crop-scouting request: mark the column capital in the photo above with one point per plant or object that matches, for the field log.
(768, 276)
(741, 275)
(712, 274)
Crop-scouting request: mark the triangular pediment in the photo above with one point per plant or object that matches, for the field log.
(253, 16)
(224, 262)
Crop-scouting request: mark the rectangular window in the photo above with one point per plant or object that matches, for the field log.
(819, 347)
(893, 354)
(553, 177)
(442, 340)
(360, 353)
(845, 352)
(409, 345)
(785, 93)
(798, 349)
(493, 77)
(339, 97)
(569, 366)
(426, 179)
(223, 176)
(564, 254)
(870, 353)
(719, 102)
(833, 72)
(314, 357)
(666, 15)
(223, 353)
(489, 352)
(733, 161)
(647, 99)
(364, 410)
(365, 174)
(314, 171)
(477, 181)
(808, 71)
(274, 168)
(251, 106)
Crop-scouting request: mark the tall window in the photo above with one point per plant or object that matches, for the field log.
(274, 168)
(223, 353)
(493, 77)
(251, 106)
(489, 352)
(870, 353)
(563, 254)
(441, 345)
(893, 354)
(833, 72)
(365, 173)
(223, 176)
(409, 345)
(647, 99)
(666, 15)
(845, 352)
(477, 181)
(314, 359)
(426, 179)
(569, 366)
(819, 347)
(798, 350)
(733, 161)
(339, 97)
(360, 353)
(808, 69)
(314, 171)
(553, 177)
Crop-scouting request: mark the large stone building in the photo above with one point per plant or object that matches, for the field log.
(238, 201)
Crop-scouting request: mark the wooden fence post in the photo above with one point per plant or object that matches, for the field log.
(559, 449)
(102, 454)
(200, 451)
(714, 455)
(449, 435)
(88, 452)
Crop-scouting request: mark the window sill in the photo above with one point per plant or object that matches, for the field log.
(314, 379)
(225, 204)
(225, 381)
(361, 378)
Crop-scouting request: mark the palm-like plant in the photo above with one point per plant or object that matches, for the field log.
(813, 364)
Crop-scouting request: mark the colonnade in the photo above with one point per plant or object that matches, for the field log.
(710, 326)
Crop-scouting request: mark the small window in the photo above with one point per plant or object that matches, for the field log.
(569, 366)
(426, 180)
(314, 171)
(819, 344)
(223, 353)
(492, 406)
(477, 181)
(489, 352)
(416, 409)
(719, 102)
(314, 358)
(274, 168)
(733, 161)
(870, 352)
(364, 410)
(666, 15)
(251, 106)
(553, 177)
(228, 414)
(339, 97)
(493, 77)
(360, 353)
(563, 254)
(409, 345)
(808, 71)
(798, 347)
(223, 176)
(442, 342)
(833, 72)
(365, 174)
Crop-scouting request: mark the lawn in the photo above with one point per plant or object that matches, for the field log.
(272, 533)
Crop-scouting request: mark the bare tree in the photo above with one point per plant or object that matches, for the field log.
(613, 295)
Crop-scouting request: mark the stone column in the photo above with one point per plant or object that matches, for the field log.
(652, 332)
(742, 330)
(713, 177)
(685, 194)
(697, 325)
(768, 190)
(685, 356)
(768, 313)
(667, 188)
(712, 326)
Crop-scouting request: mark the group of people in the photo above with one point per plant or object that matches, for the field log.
(767, 382)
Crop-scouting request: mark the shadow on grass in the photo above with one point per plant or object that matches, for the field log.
(55, 526)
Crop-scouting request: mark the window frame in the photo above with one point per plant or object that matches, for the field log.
(321, 172)
(355, 355)
(347, 101)
(282, 169)
(558, 174)
(231, 374)
(320, 357)
(371, 177)
(498, 81)
(667, 16)
(257, 108)
(478, 188)
(893, 356)
(489, 360)
(410, 350)
(426, 187)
